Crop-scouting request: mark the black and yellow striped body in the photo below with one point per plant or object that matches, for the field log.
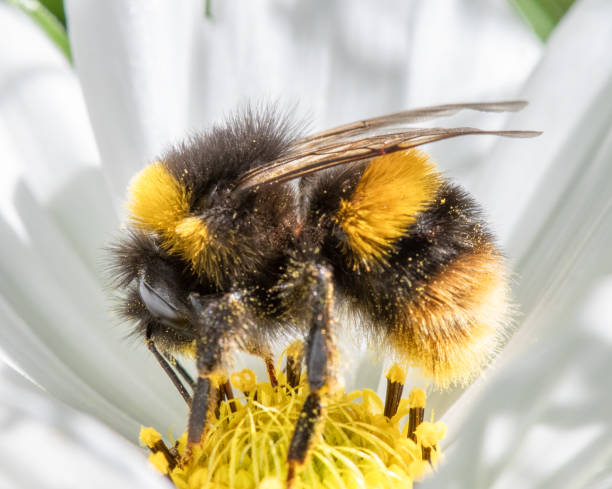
(209, 266)
(408, 251)
(436, 293)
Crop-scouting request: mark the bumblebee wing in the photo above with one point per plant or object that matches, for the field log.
(325, 156)
(359, 128)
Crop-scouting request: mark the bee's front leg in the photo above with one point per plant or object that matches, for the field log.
(204, 398)
(320, 352)
(217, 321)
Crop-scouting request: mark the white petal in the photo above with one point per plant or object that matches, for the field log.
(542, 420)
(536, 190)
(45, 444)
(132, 61)
(335, 61)
(469, 51)
(343, 63)
(50, 251)
(569, 95)
(557, 184)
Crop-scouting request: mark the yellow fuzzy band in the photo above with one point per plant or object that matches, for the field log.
(393, 189)
(158, 202)
(192, 240)
(459, 317)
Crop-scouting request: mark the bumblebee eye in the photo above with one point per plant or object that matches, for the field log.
(160, 304)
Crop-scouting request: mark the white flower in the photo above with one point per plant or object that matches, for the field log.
(152, 71)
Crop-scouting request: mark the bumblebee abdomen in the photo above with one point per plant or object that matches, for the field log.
(451, 325)
(431, 284)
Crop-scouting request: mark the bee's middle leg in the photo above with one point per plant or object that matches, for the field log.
(319, 358)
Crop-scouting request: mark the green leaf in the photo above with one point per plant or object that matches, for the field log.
(47, 22)
(542, 15)
(56, 7)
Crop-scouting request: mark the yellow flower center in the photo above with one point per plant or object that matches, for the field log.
(358, 446)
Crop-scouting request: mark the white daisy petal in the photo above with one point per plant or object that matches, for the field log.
(24, 350)
(336, 62)
(469, 51)
(45, 444)
(50, 266)
(541, 418)
(568, 94)
(132, 61)
(554, 191)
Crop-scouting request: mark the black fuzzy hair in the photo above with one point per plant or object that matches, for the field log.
(440, 235)
(215, 159)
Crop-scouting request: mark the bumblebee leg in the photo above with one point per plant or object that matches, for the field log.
(319, 353)
(216, 323)
(168, 369)
(204, 395)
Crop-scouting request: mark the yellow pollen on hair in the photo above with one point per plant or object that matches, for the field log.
(393, 189)
(191, 238)
(157, 200)
(159, 203)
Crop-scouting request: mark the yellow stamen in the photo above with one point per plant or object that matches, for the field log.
(159, 462)
(417, 398)
(429, 434)
(358, 447)
(396, 374)
(149, 437)
(244, 380)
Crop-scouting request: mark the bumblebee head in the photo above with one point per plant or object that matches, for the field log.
(191, 231)
(155, 288)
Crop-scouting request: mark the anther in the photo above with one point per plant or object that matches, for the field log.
(153, 441)
(295, 354)
(229, 395)
(271, 372)
(245, 381)
(395, 386)
(416, 414)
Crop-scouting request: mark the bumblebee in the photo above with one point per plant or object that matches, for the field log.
(249, 235)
